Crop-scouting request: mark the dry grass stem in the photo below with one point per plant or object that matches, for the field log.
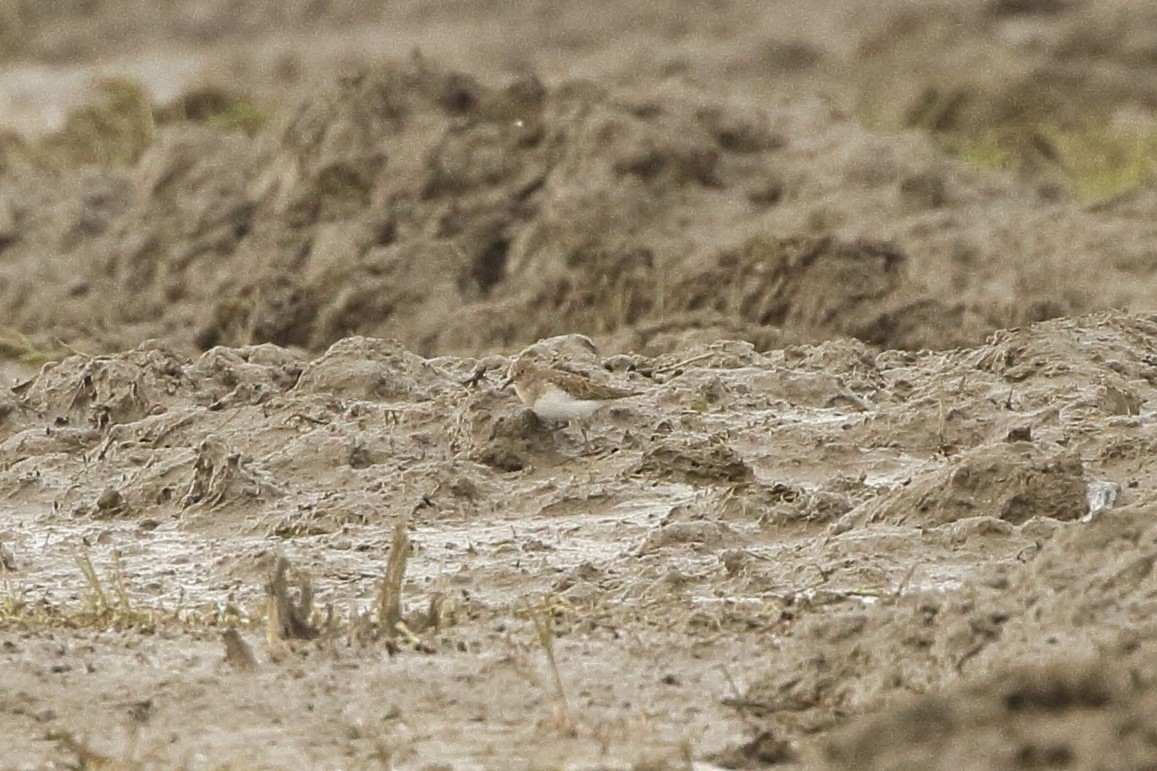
(544, 627)
(289, 619)
(390, 595)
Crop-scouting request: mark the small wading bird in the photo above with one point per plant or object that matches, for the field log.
(553, 394)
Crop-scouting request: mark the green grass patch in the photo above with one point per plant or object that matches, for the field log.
(216, 107)
(1097, 162)
(15, 346)
(121, 122)
(241, 115)
(985, 152)
(1101, 163)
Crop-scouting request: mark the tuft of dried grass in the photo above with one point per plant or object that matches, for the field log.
(86, 756)
(238, 654)
(390, 594)
(289, 618)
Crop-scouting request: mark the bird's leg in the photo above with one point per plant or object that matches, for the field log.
(586, 439)
(559, 426)
(553, 426)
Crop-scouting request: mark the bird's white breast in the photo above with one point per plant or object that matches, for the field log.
(556, 404)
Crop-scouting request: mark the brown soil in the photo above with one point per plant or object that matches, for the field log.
(883, 500)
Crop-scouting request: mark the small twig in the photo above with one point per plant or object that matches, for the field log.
(738, 702)
(433, 618)
(73, 350)
(684, 363)
(476, 377)
(404, 631)
(86, 756)
(545, 630)
(855, 399)
(903, 585)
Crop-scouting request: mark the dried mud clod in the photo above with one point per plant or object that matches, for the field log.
(105, 391)
(493, 429)
(366, 369)
(112, 131)
(1113, 344)
(110, 503)
(700, 536)
(276, 311)
(220, 475)
(86, 756)
(780, 505)
(1014, 482)
(8, 562)
(1086, 577)
(697, 461)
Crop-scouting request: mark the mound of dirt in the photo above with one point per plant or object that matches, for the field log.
(1072, 714)
(1068, 579)
(417, 203)
(1085, 595)
(1011, 482)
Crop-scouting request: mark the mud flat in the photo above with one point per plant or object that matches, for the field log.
(885, 291)
(777, 541)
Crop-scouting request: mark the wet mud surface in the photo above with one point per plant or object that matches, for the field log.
(884, 497)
